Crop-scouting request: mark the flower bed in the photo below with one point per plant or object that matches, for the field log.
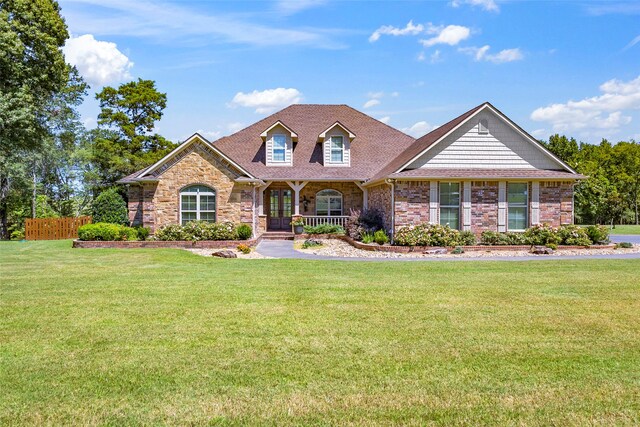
(172, 244)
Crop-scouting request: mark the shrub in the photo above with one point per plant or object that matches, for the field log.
(310, 243)
(458, 250)
(110, 207)
(552, 246)
(467, 238)
(380, 237)
(573, 235)
(323, 229)
(143, 232)
(624, 245)
(542, 235)
(367, 238)
(197, 230)
(428, 235)
(17, 234)
(365, 221)
(598, 234)
(243, 248)
(106, 232)
(244, 231)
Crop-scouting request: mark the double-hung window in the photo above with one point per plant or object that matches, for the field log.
(517, 205)
(197, 203)
(337, 149)
(450, 204)
(279, 148)
(329, 203)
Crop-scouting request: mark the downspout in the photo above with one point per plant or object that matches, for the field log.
(253, 210)
(392, 184)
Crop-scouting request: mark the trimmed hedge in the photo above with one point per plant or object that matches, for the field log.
(546, 235)
(105, 231)
(323, 229)
(433, 235)
(202, 230)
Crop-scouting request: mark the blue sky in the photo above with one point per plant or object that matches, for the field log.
(567, 67)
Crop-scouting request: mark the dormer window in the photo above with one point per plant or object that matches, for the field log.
(279, 140)
(336, 141)
(337, 149)
(279, 148)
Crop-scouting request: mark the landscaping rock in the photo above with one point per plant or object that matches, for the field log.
(312, 242)
(541, 250)
(437, 251)
(225, 254)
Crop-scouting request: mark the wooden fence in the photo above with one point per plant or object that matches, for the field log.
(54, 228)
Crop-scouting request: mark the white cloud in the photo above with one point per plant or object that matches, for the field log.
(489, 5)
(482, 54)
(163, 20)
(235, 127)
(451, 35)
(418, 129)
(632, 43)
(267, 101)
(606, 111)
(371, 103)
(421, 57)
(539, 133)
(99, 62)
(409, 29)
(211, 135)
(394, 94)
(375, 95)
(385, 119)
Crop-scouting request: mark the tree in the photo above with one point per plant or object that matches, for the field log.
(564, 148)
(33, 71)
(124, 141)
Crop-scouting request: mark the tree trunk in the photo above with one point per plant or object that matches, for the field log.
(4, 208)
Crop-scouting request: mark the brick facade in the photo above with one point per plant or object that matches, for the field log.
(351, 196)
(411, 203)
(484, 206)
(380, 198)
(556, 203)
(161, 201)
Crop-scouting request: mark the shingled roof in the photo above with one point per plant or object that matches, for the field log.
(374, 143)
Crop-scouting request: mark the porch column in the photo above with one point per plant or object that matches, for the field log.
(261, 197)
(297, 186)
(365, 194)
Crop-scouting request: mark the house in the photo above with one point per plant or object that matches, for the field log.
(480, 171)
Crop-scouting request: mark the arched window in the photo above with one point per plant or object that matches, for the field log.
(197, 203)
(329, 203)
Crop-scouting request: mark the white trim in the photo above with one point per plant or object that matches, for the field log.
(466, 206)
(329, 202)
(213, 192)
(296, 187)
(322, 135)
(440, 205)
(191, 139)
(525, 206)
(343, 150)
(502, 206)
(365, 194)
(535, 203)
(294, 136)
(434, 208)
(504, 118)
(273, 148)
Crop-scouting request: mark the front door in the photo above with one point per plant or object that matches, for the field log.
(279, 217)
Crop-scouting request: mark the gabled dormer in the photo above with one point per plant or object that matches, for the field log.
(279, 140)
(336, 145)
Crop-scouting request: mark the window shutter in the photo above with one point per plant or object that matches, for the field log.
(466, 206)
(433, 202)
(269, 148)
(535, 203)
(502, 206)
(288, 150)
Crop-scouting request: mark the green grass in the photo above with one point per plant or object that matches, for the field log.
(623, 229)
(124, 337)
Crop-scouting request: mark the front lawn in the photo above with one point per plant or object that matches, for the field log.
(626, 229)
(162, 336)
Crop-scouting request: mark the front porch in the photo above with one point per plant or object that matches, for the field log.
(317, 202)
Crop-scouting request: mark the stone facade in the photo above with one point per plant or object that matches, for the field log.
(380, 198)
(556, 203)
(411, 203)
(484, 206)
(351, 196)
(161, 200)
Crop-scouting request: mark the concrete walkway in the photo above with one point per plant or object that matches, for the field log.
(284, 249)
(631, 238)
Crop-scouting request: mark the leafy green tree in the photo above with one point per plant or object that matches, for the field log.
(110, 207)
(564, 148)
(32, 72)
(124, 141)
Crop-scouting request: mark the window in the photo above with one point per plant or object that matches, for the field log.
(337, 149)
(450, 204)
(517, 204)
(483, 126)
(279, 148)
(197, 203)
(329, 203)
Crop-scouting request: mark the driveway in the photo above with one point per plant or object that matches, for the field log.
(631, 238)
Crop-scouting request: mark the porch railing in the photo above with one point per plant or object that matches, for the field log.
(332, 220)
